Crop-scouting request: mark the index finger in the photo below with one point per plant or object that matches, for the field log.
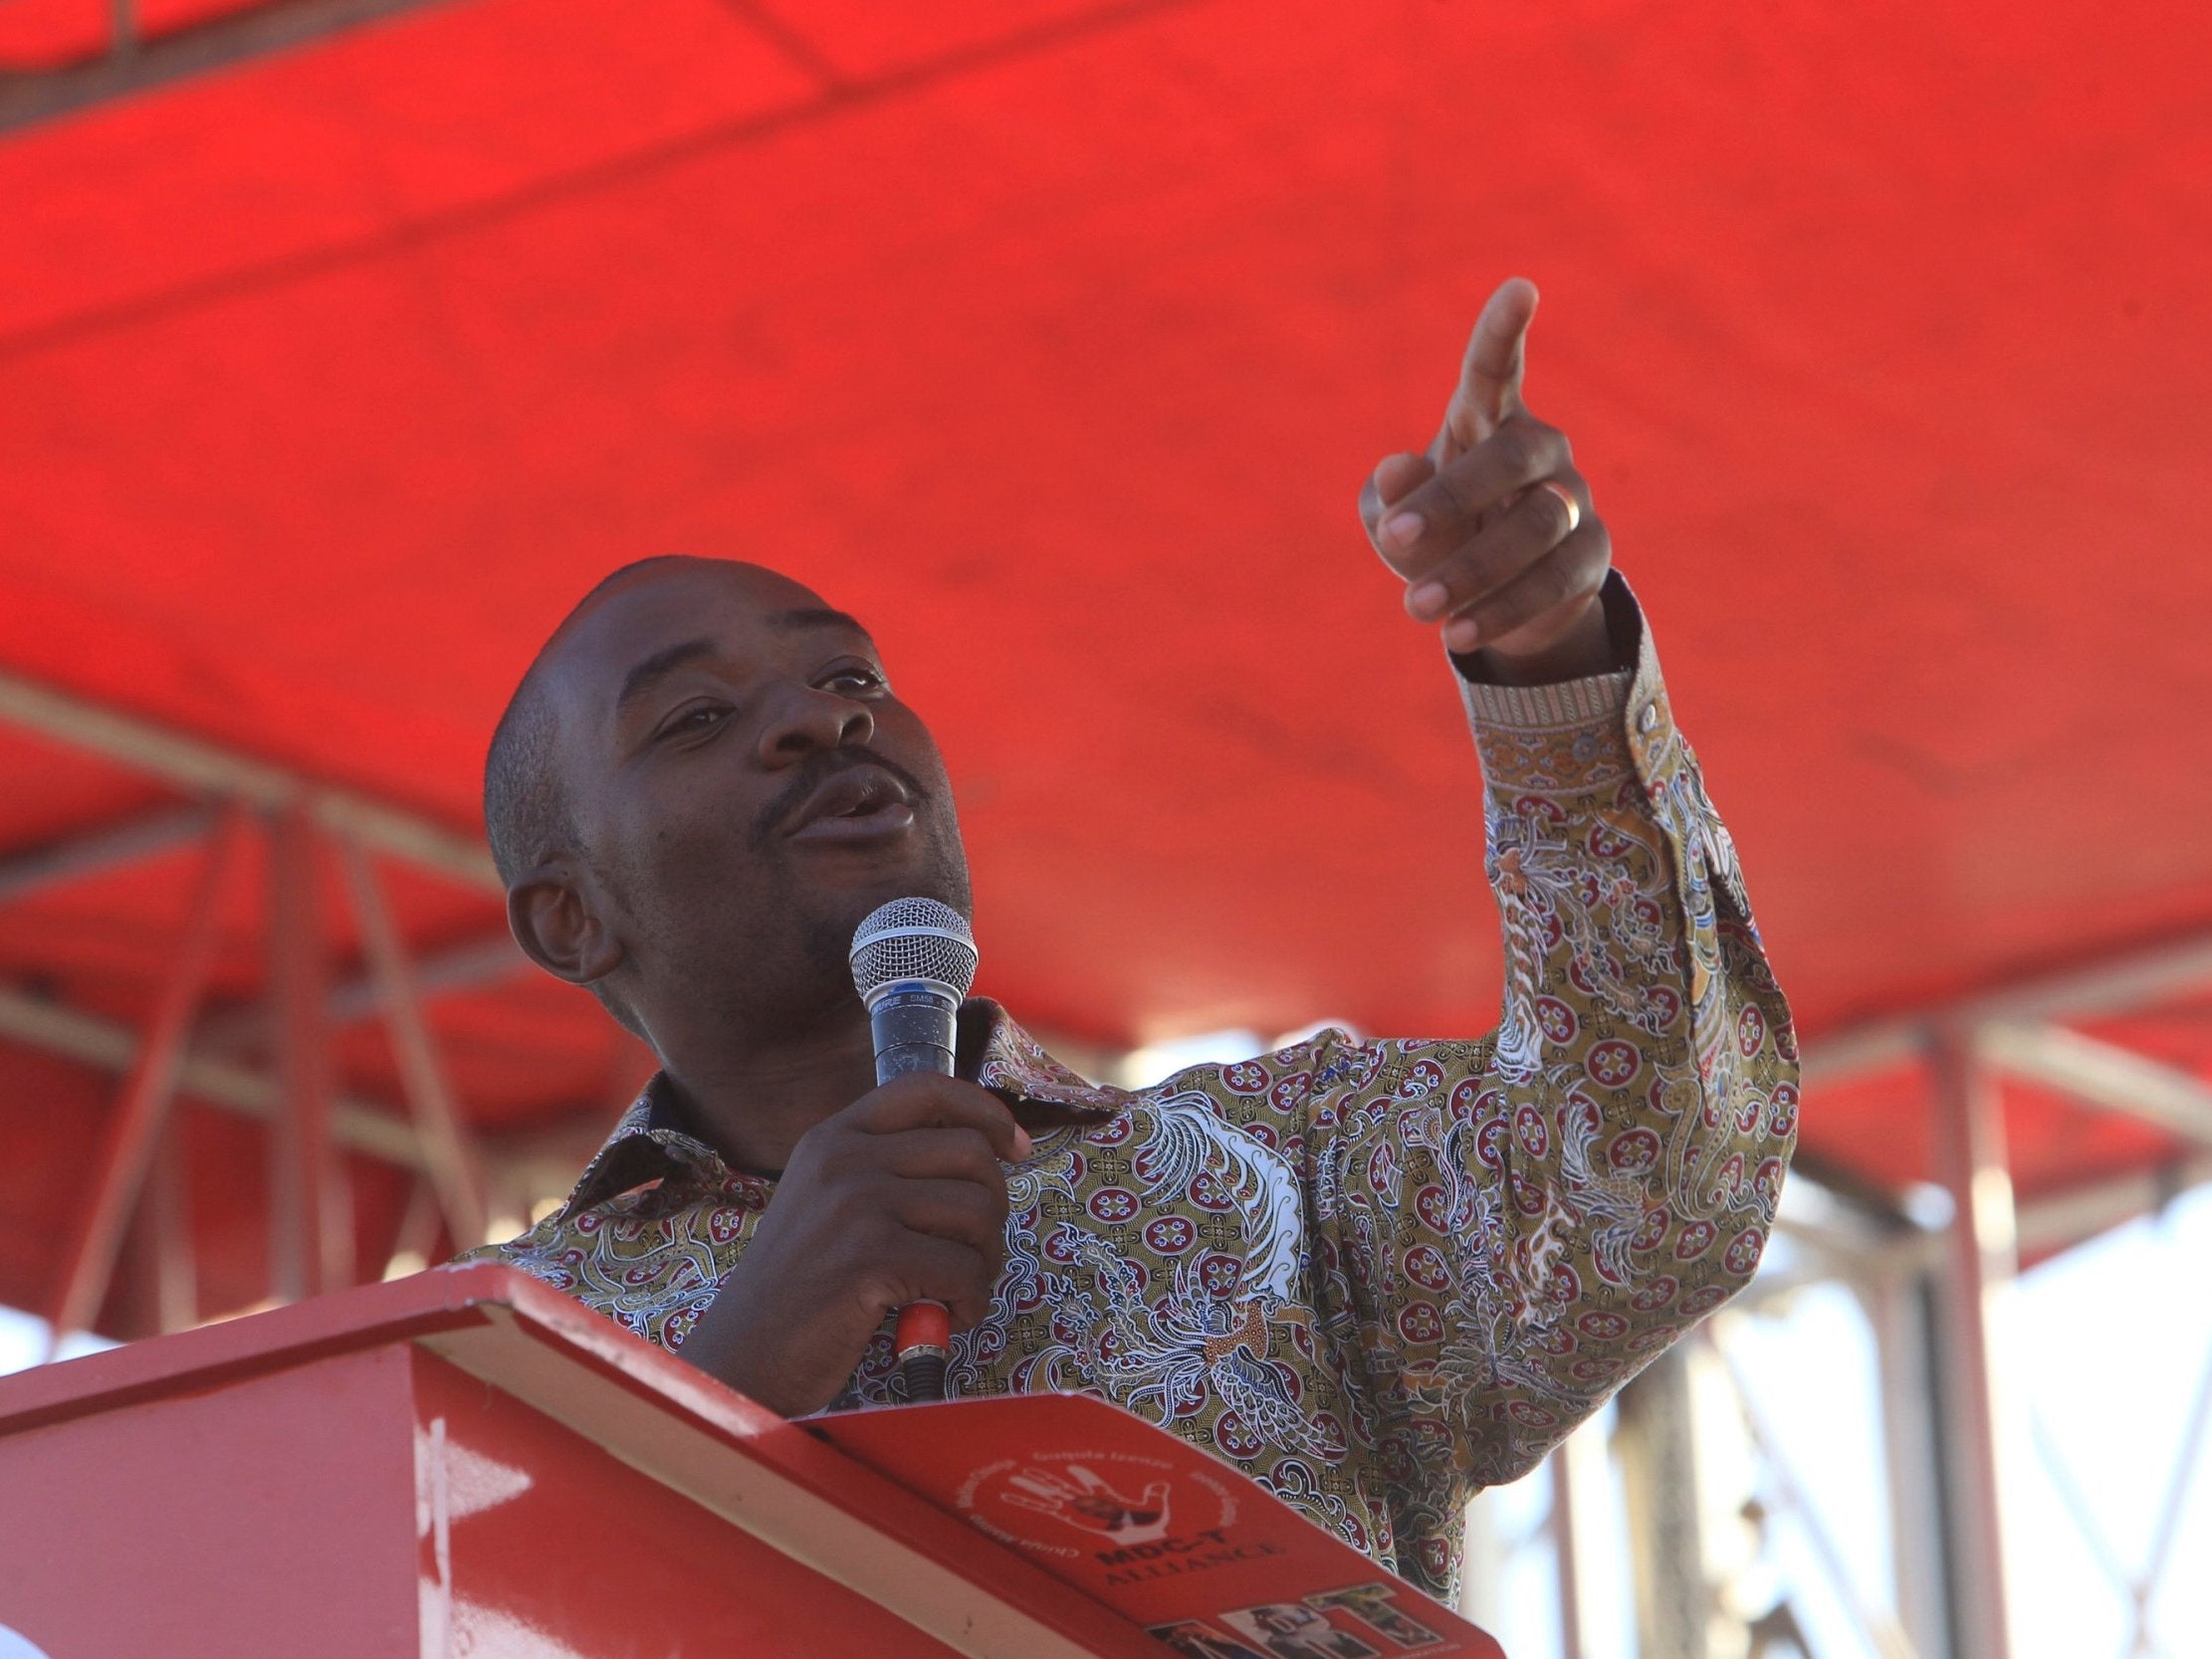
(1489, 388)
(925, 1099)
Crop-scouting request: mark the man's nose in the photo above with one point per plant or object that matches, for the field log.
(804, 718)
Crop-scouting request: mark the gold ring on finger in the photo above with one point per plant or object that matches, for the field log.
(1574, 507)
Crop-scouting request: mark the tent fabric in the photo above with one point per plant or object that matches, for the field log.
(1055, 338)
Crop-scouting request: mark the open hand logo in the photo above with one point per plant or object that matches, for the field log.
(1080, 1497)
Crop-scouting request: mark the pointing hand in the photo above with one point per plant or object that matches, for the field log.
(1492, 529)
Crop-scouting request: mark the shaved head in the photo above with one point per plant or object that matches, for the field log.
(526, 808)
(702, 783)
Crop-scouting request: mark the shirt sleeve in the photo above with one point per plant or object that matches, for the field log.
(1505, 1231)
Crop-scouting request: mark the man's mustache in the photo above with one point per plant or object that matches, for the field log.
(816, 770)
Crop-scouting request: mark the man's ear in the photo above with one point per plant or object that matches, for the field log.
(557, 925)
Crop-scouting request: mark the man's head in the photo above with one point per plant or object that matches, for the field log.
(701, 786)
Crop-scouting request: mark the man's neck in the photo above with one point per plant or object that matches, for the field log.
(753, 1105)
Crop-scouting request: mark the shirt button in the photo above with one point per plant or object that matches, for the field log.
(1649, 718)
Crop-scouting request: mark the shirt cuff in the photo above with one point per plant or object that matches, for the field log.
(1576, 734)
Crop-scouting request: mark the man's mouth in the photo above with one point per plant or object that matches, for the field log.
(857, 803)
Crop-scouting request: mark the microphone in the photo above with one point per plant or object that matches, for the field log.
(913, 960)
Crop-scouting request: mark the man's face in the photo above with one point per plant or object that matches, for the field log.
(746, 787)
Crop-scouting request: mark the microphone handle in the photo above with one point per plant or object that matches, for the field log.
(914, 1032)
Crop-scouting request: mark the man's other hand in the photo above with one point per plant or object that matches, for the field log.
(1492, 529)
(898, 1198)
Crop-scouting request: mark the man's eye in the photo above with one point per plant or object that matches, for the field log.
(861, 679)
(692, 721)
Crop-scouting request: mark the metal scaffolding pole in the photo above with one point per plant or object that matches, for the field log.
(94, 851)
(1484, 1557)
(359, 1126)
(1980, 1247)
(1579, 1490)
(1881, 1628)
(2139, 978)
(135, 63)
(1902, 1314)
(455, 1166)
(168, 1217)
(132, 1135)
(415, 1240)
(305, 1242)
(192, 763)
(1566, 1556)
(1657, 1446)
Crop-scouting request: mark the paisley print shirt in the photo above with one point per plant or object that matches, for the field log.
(1375, 1274)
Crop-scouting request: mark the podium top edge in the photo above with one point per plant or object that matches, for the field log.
(367, 1316)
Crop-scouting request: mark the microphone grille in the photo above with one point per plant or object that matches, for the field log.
(912, 939)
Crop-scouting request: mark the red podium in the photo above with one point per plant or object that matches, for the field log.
(466, 1463)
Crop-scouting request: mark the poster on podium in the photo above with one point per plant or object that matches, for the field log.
(1148, 1523)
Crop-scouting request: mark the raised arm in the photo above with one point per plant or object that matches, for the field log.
(1506, 1230)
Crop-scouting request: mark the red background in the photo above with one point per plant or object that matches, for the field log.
(1055, 340)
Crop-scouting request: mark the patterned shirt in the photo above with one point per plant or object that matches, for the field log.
(1375, 1276)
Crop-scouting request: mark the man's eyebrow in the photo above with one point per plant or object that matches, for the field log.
(816, 617)
(642, 678)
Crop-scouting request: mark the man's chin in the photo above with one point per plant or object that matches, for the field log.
(921, 872)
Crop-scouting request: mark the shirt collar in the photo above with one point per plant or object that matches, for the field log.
(652, 1139)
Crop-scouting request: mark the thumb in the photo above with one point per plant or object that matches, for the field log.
(1397, 475)
(1392, 479)
(1490, 389)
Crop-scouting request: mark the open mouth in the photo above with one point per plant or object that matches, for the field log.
(856, 803)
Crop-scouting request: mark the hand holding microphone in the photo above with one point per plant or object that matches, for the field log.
(913, 961)
(899, 1199)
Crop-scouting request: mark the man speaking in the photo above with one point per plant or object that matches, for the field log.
(1375, 1276)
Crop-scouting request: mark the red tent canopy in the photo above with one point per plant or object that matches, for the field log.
(1055, 338)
